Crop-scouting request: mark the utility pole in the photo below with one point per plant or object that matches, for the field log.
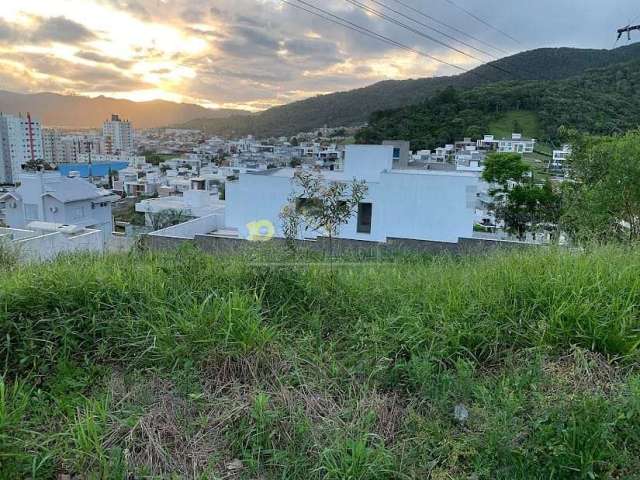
(628, 29)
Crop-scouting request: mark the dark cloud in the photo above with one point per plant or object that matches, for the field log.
(192, 15)
(99, 58)
(61, 30)
(84, 77)
(135, 7)
(8, 32)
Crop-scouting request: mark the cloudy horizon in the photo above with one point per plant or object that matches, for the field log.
(253, 54)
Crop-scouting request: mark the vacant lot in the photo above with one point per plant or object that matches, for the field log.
(182, 365)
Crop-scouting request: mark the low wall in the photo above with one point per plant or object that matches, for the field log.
(211, 244)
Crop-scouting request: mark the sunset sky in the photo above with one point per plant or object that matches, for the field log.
(253, 54)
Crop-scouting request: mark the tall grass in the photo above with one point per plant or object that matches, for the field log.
(193, 365)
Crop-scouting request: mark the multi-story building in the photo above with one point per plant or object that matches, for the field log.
(117, 136)
(20, 142)
(52, 146)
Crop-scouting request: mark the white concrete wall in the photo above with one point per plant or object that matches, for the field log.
(48, 246)
(198, 226)
(365, 162)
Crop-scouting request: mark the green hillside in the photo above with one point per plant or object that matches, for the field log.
(355, 107)
(182, 365)
(601, 101)
(517, 121)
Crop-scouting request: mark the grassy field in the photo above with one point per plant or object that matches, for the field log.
(182, 365)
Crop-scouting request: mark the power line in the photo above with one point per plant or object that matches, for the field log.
(450, 37)
(384, 16)
(457, 30)
(365, 31)
(484, 22)
(429, 37)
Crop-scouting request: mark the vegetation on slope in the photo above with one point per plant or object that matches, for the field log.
(356, 106)
(206, 367)
(515, 121)
(603, 101)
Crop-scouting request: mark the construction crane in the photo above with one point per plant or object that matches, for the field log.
(628, 29)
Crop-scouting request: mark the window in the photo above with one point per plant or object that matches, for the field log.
(364, 217)
(396, 154)
(78, 212)
(30, 211)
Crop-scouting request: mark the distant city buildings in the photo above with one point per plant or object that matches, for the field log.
(20, 142)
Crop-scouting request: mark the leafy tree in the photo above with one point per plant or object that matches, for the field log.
(519, 202)
(321, 206)
(603, 200)
(501, 168)
(37, 165)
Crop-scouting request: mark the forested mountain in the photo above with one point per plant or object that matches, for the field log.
(600, 101)
(355, 107)
(77, 111)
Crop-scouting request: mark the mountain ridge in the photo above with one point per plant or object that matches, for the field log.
(354, 107)
(77, 111)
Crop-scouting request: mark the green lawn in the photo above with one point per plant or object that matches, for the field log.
(504, 125)
(183, 365)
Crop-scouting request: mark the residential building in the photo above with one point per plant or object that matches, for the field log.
(488, 142)
(559, 159)
(52, 198)
(516, 144)
(52, 145)
(401, 152)
(72, 147)
(400, 204)
(20, 142)
(104, 158)
(117, 135)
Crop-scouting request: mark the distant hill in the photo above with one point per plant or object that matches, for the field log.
(78, 111)
(355, 107)
(600, 101)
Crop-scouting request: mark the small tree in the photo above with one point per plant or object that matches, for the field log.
(38, 165)
(519, 202)
(167, 218)
(321, 206)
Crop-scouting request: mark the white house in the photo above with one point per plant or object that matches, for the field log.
(401, 203)
(516, 144)
(51, 198)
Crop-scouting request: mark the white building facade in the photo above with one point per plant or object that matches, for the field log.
(400, 204)
(20, 142)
